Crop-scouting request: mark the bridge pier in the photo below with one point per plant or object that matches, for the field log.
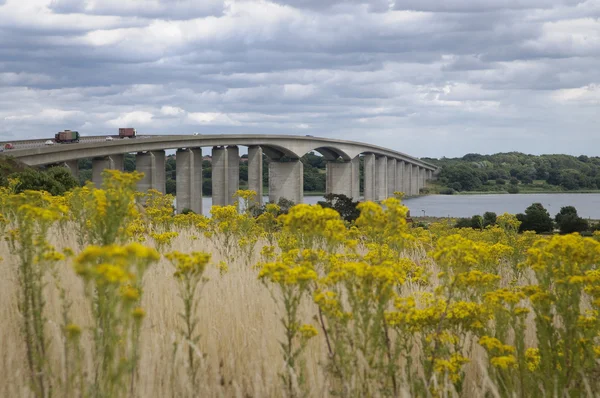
(113, 162)
(225, 174)
(255, 172)
(286, 180)
(344, 178)
(73, 166)
(423, 178)
(391, 176)
(233, 172)
(414, 181)
(188, 165)
(370, 177)
(381, 177)
(407, 179)
(400, 176)
(152, 164)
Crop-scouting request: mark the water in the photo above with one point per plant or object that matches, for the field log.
(587, 204)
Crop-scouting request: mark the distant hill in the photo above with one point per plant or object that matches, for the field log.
(515, 171)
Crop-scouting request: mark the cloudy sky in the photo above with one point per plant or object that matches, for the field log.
(426, 77)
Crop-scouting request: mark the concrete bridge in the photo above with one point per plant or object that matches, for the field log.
(385, 171)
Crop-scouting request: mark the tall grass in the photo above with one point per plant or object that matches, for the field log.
(238, 322)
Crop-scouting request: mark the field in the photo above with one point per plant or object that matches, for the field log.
(106, 294)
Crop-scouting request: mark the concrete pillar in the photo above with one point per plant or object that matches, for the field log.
(118, 162)
(370, 177)
(414, 181)
(344, 178)
(286, 180)
(188, 166)
(73, 166)
(219, 176)
(423, 178)
(233, 172)
(408, 179)
(255, 172)
(400, 176)
(381, 174)
(391, 176)
(113, 162)
(152, 164)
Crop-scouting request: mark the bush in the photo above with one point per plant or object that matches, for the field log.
(463, 223)
(489, 218)
(568, 221)
(447, 191)
(536, 218)
(512, 189)
(343, 205)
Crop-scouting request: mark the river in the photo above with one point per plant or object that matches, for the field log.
(587, 204)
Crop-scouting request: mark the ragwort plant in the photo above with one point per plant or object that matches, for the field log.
(189, 273)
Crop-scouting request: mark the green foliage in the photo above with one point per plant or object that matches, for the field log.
(536, 218)
(475, 172)
(343, 205)
(568, 221)
(34, 180)
(489, 218)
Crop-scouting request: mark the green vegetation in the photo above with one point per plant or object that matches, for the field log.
(55, 180)
(516, 172)
(536, 218)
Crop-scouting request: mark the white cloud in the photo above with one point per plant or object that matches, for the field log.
(171, 111)
(131, 119)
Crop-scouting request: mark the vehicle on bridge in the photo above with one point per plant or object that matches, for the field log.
(67, 137)
(9, 146)
(127, 132)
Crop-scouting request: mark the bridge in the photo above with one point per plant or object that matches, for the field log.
(385, 170)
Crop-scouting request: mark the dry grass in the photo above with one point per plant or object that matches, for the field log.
(239, 326)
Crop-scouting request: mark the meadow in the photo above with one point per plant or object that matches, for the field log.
(106, 293)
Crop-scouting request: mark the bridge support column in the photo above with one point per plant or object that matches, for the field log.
(422, 177)
(400, 176)
(382, 181)
(370, 177)
(225, 174)
(286, 180)
(73, 166)
(152, 164)
(344, 178)
(391, 176)
(113, 162)
(233, 172)
(255, 172)
(188, 165)
(414, 181)
(408, 179)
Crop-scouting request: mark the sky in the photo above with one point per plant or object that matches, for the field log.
(429, 78)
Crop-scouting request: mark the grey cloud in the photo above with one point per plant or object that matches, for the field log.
(460, 73)
(161, 9)
(480, 5)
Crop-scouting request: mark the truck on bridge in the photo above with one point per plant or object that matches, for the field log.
(67, 137)
(127, 132)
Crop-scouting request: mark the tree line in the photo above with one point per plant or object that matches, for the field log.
(536, 218)
(514, 170)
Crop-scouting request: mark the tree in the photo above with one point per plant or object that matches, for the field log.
(35, 180)
(489, 218)
(477, 222)
(536, 218)
(568, 221)
(171, 187)
(64, 177)
(343, 205)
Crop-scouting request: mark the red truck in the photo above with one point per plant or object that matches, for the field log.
(127, 132)
(66, 136)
